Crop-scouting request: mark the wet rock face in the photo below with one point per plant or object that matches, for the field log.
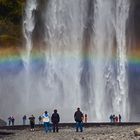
(136, 17)
(2, 123)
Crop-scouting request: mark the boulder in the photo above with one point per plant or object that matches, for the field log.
(137, 132)
(2, 123)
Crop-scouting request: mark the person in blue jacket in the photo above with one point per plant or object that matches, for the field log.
(46, 121)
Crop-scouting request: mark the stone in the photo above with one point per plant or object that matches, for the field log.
(111, 137)
(2, 123)
(137, 132)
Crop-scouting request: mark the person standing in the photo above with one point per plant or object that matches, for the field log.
(24, 119)
(40, 119)
(46, 120)
(78, 116)
(9, 120)
(32, 122)
(120, 118)
(86, 118)
(55, 120)
(12, 120)
(116, 119)
(111, 118)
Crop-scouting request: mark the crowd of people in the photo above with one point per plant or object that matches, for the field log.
(115, 119)
(51, 123)
(11, 120)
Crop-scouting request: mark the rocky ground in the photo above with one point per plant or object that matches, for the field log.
(93, 133)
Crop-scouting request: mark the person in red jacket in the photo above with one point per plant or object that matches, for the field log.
(85, 118)
(116, 119)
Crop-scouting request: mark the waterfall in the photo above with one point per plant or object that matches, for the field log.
(64, 29)
(102, 49)
(28, 27)
(85, 56)
(121, 99)
(111, 92)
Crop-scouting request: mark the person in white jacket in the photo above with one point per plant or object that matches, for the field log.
(46, 121)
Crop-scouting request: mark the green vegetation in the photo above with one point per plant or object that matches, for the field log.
(11, 22)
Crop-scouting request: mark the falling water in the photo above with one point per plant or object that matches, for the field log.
(103, 47)
(121, 99)
(110, 23)
(64, 33)
(81, 39)
(28, 27)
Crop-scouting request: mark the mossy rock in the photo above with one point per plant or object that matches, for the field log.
(6, 41)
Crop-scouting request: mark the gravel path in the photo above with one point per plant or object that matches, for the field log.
(93, 133)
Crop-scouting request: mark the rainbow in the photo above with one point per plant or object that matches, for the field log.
(11, 59)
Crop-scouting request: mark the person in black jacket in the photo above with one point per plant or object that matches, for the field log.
(78, 116)
(55, 120)
(32, 122)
